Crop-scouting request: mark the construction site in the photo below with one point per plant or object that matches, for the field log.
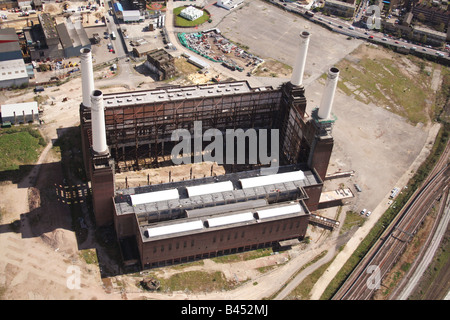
(131, 131)
(212, 45)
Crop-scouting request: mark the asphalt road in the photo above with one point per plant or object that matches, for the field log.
(338, 25)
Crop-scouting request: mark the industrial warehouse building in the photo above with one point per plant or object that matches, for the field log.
(19, 112)
(47, 41)
(132, 16)
(73, 37)
(13, 71)
(9, 45)
(247, 208)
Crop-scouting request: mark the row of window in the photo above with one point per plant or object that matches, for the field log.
(267, 229)
(10, 72)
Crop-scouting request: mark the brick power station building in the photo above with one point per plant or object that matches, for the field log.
(198, 218)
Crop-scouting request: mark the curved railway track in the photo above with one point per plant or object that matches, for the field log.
(368, 274)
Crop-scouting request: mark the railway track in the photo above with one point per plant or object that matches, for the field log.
(368, 274)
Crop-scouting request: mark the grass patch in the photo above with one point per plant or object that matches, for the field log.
(20, 146)
(273, 68)
(352, 219)
(249, 255)
(196, 281)
(182, 22)
(314, 260)
(303, 290)
(89, 256)
(389, 83)
(185, 67)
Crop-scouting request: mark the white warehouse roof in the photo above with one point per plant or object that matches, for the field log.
(209, 188)
(8, 110)
(149, 197)
(234, 218)
(279, 211)
(13, 69)
(132, 15)
(175, 228)
(272, 179)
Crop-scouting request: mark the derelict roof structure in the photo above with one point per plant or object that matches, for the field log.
(176, 199)
(176, 94)
(141, 123)
(189, 226)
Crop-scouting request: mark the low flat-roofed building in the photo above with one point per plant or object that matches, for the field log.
(73, 37)
(428, 35)
(229, 4)
(132, 16)
(37, 5)
(143, 49)
(197, 61)
(20, 112)
(13, 73)
(42, 40)
(339, 8)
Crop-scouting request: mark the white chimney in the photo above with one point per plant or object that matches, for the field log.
(327, 99)
(299, 67)
(98, 123)
(87, 76)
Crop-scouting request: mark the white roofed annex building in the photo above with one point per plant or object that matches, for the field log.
(191, 13)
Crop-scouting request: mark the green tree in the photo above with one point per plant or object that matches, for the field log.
(421, 17)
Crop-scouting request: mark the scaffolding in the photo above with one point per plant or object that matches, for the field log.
(139, 134)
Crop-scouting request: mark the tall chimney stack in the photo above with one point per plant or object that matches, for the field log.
(327, 99)
(299, 67)
(87, 76)
(99, 144)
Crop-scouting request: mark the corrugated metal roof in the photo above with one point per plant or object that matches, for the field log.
(154, 196)
(209, 188)
(175, 228)
(272, 179)
(279, 211)
(234, 218)
(27, 107)
(131, 15)
(247, 205)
